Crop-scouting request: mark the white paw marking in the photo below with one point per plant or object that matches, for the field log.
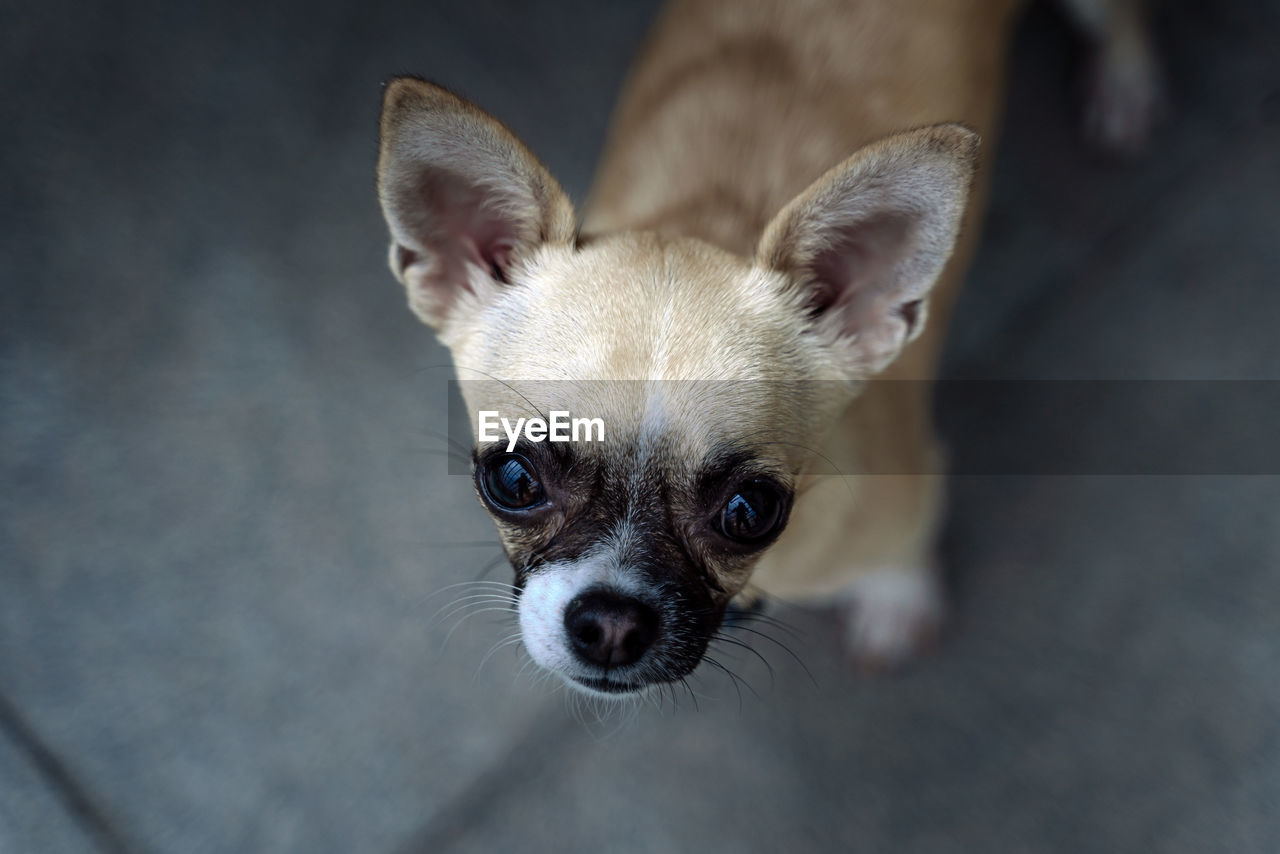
(891, 614)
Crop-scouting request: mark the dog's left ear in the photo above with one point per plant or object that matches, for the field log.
(867, 241)
(464, 199)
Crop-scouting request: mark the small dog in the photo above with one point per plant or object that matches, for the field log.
(789, 190)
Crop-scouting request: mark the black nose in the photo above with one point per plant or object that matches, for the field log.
(608, 629)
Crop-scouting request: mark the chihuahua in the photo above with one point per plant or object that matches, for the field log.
(789, 192)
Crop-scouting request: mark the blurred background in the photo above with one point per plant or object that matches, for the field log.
(227, 535)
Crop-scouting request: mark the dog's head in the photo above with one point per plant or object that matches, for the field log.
(713, 374)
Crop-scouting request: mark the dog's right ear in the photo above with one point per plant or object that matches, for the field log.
(863, 246)
(465, 200)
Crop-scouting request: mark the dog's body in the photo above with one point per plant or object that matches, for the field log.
(731, 238)
(792, 89)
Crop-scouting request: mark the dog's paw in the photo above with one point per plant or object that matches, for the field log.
(891, 615)
(1124, 99)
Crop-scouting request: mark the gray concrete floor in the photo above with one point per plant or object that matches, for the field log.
(225, 524)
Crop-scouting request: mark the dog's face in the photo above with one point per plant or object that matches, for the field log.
(715, 376)
(628, 549)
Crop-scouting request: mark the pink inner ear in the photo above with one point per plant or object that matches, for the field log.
(471, 226)
(856, 275)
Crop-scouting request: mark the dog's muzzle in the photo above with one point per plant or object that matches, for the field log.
(601, 629)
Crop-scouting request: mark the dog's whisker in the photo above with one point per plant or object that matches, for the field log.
(504, 383)
(734, 680)
(463, 451)
(579, 709)
(692, 696)
(736, 642)
(767, 619)
(529, 669)
(783, 646)
(571, 707)
(546, 677)
(482, 585)
(749, 648)
(466, 618)
(506, 641)
(461, 606)
(461, 615)
(671, 692)
(474, 609)
(654, 699)
(502, 644)
(675, 692)
(844, 478)
(491, 595)
(448, 453)
(439, 590)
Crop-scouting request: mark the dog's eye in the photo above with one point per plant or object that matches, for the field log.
(511, 483)
(752, 513)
